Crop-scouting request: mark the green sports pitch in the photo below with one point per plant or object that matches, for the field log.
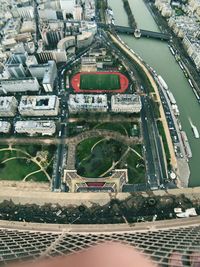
(99, 82)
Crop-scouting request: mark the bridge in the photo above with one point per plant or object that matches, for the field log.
(144, 33)
(129, 30)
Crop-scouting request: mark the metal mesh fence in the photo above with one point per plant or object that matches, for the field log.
(21, 245)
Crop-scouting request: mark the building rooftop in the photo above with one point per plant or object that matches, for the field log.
(6, 102)
(49, 72)
(125, 99)
(34, 125)
(4, 126)
(87, 99)
(38, 102)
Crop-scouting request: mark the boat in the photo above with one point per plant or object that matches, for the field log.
(179, 124)
(197, 96)
(172, 50)
(162, 82)
(171, 97)
(194, 129)
(180, 64)
(175, 110)
(186, 144)
(190, 82)
(177, 57)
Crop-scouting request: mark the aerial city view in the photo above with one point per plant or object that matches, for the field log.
(99, 116)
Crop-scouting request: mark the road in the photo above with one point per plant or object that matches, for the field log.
(156, 171)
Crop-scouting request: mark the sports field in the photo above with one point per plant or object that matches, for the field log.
(100, 82)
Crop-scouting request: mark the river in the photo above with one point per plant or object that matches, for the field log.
(157, 55)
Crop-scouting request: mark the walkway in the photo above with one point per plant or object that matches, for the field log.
(78, 138)
(74, 141)
(28, 157)
(104, 133)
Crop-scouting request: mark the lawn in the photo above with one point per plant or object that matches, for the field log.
(6, 154)
(84, 148)
(16, 169)
(20, 166)
(99, 82)
(135, 166)
(38, 177)
(117, 127)
(93, 164)
(100, 159)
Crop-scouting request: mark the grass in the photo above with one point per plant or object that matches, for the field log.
(94, 164)
(38, 177)
(117, 127)
(16, 169)
(124, 128)
(5, 154)
(99, 82)
(135, 166)
(84, 148)
(75, 128)
(99, 160)
(164, 139)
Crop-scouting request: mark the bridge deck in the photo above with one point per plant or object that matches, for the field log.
(144, 33)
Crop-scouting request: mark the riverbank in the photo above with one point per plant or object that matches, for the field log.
(154, 86)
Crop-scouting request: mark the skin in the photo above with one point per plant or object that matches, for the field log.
(105, 255)
(109, 255)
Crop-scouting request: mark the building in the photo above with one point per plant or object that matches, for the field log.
(39, 106)
(164, 7)
(26, 12)
(46, 72)
(15, 65)
(87, 103)
(85, 39)
(19, 85)
(66, 42)
(35, 127)
(49, 76)
(56, 55)
(78, 12)
(15, 70)
(31, 60)
(88, 64)
(67, 5)
(113, 183)
(17, 58)
(126, 103)
(38, 70)
(89, 11)
(5, 127)
(8, 106)
(47, 13)
(52, 32)
(28, 26)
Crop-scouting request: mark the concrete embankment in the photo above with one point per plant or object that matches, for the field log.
(43, 196)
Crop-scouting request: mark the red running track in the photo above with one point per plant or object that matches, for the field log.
(76, 81)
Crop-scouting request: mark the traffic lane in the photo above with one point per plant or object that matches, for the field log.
(158, 147)
(147, 143)
(57, 180)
